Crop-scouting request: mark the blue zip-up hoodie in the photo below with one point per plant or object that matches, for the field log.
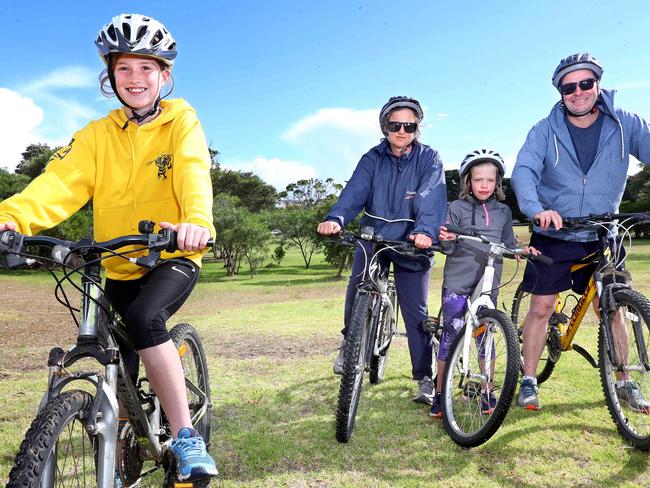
(548, 176)
(410, 187)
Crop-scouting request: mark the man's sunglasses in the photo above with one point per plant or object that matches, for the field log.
(585, 85)
(409, 127)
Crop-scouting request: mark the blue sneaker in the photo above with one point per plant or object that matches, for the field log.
(528, 396)
(118, 480)
(194, 462)
(488, 402)
(436, 407)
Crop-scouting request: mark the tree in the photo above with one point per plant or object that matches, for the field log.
(35, 158)
(309, 193)
(298, 226)
(252, 192)
(11, 183)
(240, 234)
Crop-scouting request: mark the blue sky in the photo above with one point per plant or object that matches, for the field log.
(292, 89)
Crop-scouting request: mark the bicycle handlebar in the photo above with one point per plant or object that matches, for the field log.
(402, 247)
(13, 243)
(597, 219)
(471, 234)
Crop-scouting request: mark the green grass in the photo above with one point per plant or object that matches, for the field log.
(271, 341)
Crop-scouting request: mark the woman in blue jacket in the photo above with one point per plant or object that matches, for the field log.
(400, 186)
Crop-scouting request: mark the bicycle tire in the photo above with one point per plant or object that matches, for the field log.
(633, 425)
(60, 421)
(546, 364)
(464, 419)
(353, 366)
(386, 328)
(195, 369)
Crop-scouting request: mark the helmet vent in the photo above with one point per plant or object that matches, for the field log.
(126, 30)
(157, 37)
(141, 32)
(111, 33)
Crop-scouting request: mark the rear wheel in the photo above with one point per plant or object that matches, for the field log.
(628, 405)
(356, 345)
(386, 329)
(551, 353)
(57, 449)
(475, 400)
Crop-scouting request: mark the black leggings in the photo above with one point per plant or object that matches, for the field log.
(145, 304)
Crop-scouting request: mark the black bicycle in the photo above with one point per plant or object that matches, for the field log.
(372, 326)
(73, 439)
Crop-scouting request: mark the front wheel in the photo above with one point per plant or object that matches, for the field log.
(478, 388)
(628, 401)
(354, 353)
(195, 369)
(57, 449)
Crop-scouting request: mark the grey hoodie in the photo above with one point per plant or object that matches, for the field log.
(466, 259)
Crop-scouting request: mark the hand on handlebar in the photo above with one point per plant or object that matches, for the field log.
(190, 237)
(546, 218)
(7, 226)
(445, 235)
(328, 228)
(421, 241)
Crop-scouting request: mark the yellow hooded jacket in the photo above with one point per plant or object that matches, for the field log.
(158, 171)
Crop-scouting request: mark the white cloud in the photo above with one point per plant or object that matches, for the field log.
(66, 77)
(442, 115)
(274, 171)
(18, 128)
(334, 139)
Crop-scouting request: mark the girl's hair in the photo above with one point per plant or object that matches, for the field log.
(105, 82)
(466, 186)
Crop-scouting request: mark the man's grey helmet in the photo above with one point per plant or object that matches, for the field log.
(482, 156)
(136, 34)
(399, 102)
(574, 63)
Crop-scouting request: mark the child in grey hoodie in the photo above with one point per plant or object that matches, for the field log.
(478, 208)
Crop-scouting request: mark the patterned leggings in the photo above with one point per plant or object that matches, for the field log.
(453, 320)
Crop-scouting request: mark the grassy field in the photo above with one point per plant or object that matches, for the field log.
(271, 341)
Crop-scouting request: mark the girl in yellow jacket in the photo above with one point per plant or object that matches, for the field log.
(147, 160)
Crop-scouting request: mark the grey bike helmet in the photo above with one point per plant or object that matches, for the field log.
(482, 156)
(574, 63)
(399, 102)
(136, 34)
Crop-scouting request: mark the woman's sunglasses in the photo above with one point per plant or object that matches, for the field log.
(409, 127)
(585, 85)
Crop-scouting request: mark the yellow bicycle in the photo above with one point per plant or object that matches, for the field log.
(622, 343)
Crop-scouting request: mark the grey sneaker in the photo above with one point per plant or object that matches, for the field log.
(528, 396)
(338, 362)
(632, 396)
(425, 391)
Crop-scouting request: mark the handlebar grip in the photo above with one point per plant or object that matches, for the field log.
(173, 240)
(459, 230)
(541, 258)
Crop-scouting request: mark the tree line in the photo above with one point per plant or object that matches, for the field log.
(254, 222)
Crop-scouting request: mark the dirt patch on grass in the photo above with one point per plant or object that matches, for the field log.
(281, 348)
(32, 321)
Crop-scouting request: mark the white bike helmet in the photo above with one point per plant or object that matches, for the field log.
(482, 156)
(399, 102)
(136, 34)
(574, 63)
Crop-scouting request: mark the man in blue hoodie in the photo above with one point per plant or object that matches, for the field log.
(573, 163)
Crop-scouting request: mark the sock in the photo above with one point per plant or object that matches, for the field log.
(531, 378)
(620, 383)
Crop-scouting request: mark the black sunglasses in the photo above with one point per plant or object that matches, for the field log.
(409, 127)
(585, 85)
